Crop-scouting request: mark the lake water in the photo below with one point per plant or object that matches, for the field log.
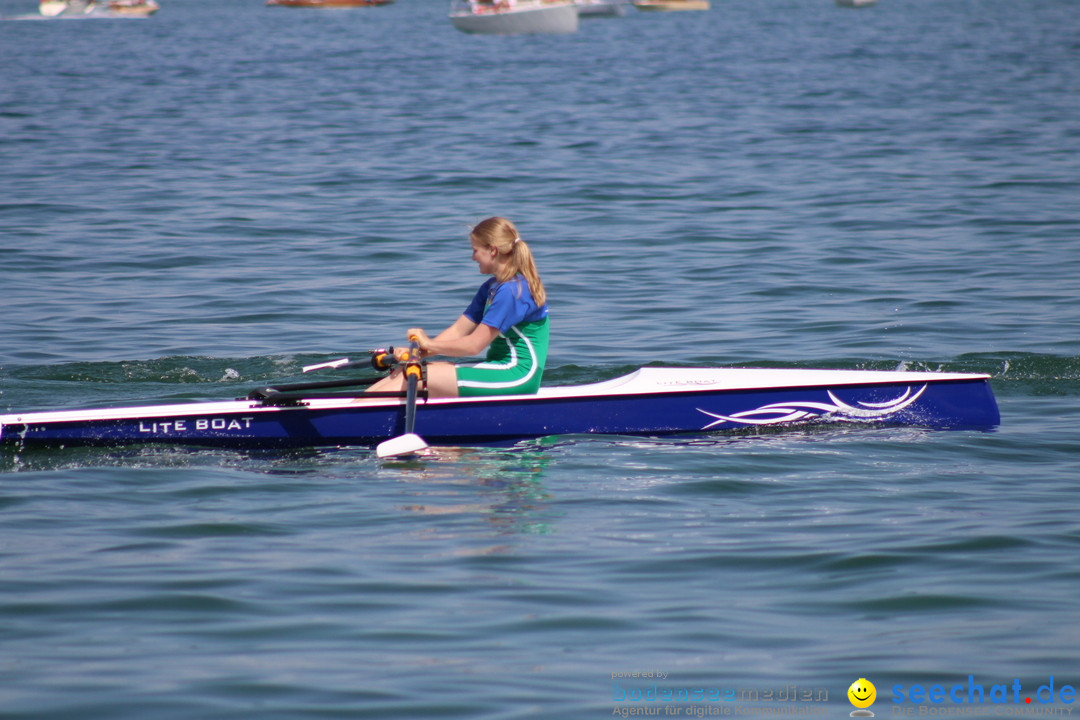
(204, 201)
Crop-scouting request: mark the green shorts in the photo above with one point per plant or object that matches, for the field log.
(514, 364)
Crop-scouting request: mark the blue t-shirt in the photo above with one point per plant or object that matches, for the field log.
(503, 305)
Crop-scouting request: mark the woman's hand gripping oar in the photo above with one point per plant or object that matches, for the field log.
(410, 442)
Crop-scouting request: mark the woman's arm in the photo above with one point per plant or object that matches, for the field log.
(462, 339)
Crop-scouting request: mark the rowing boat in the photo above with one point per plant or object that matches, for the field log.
(652, 401)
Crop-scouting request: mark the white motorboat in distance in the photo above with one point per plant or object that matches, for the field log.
(69, 8)
(138, 8)
(671, 5)
(328, 3)
(90, 8)
(514, 17)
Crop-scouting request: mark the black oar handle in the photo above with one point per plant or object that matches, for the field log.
(413, 374)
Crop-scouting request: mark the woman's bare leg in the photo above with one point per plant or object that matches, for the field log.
(441, 381)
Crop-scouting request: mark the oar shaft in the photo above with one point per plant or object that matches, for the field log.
(409, 442)
(412, 376)
(321, 385)
(410, 405)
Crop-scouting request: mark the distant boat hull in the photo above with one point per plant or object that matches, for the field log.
(328, 3)
(855, 3)
(67, 8)
(650, 401)
(133, 7)
(671, 5)
(522, 18)
(84, 8)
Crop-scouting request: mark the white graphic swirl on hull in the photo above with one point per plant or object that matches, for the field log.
(775, 413)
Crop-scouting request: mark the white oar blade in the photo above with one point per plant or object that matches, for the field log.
(331, 364)
(406, 444)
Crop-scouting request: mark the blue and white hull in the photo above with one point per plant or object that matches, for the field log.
(650, 401)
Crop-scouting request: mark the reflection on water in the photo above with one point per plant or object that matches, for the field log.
(504, 486)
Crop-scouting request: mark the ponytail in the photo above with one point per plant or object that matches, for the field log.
(526, 266)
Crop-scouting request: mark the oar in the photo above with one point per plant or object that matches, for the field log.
(381, 359)
(410, 442)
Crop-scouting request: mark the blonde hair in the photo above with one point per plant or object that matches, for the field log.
(500, 233)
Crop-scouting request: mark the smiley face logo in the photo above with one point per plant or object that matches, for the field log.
(862, 693)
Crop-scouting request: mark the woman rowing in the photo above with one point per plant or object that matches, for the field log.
(508, 317)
